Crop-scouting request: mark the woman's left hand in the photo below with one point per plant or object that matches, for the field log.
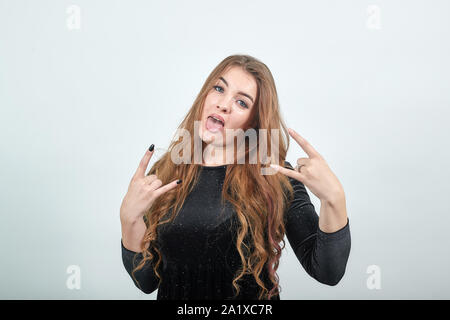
(313, 172)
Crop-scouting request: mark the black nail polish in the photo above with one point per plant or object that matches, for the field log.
(179, 181)
(151, 147)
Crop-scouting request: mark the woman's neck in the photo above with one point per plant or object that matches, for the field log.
(216, 156)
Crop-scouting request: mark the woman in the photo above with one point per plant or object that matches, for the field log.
(212, 229)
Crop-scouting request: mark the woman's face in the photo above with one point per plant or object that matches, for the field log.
(231, 99)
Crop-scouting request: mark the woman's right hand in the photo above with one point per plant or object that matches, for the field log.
(142, 192)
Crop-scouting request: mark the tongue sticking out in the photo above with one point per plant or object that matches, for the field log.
(213, 125)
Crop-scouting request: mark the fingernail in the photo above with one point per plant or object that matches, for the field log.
(179, 181)
(151, 147)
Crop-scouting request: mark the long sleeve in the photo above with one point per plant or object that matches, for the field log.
(148, 281)
(323, 255)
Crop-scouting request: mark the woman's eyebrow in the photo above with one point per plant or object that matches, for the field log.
(240, 92)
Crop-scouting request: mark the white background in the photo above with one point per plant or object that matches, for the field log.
(80, 107)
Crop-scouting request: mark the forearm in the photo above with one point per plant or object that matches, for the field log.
(132, 234)
(145, 279)
(324, 255)
(333, 214)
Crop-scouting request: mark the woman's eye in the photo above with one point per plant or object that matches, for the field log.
(215, 87)
(243, 104)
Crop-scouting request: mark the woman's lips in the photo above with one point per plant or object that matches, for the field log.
(213, 125)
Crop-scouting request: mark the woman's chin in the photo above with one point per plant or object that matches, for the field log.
(207, 139)
(210, 136)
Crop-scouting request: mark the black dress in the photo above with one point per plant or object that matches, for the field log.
(199, 256)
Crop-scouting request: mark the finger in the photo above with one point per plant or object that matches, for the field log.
(155, 184)
(149, 179)
(140, 172)
(165, 188)
(303, 161)
(298, 168)
(306, 146)
(288, 172)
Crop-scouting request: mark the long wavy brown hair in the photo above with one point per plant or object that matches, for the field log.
(258, 200)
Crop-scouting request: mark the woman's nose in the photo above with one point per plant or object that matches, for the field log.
(225, 105)
(223, 108)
